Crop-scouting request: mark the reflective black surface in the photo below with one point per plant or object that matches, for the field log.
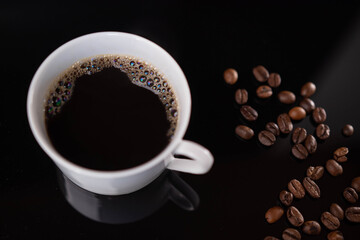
(305, 42)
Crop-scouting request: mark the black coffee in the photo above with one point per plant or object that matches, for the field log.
(110, 112)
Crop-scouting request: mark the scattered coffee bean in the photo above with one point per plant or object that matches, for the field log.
(308, 89)
(264, 91)
(311, 228)
(330, 221)
(296, 188)
(270, 238)
(284, 123)
(286, 197)
(353, 214)
(311, 187)
(297, 113)
(286, 97)
(299, 134)
(266, 138)
(315, 173)
(335, 235)
(340, 154)
(274, 80)
(261, 73)
(323, 131)
(273, 127)
(241, 96)
(244, 132)
(337, 211)
(348, 130)
(274, 214)
(299, 151)
(334, 168)
(319, 115)
(350, 195)
(310, 144)
(294, 216)
(291, 234)
(355, 184)
(230, 76)
(248, 113)
(307, 104)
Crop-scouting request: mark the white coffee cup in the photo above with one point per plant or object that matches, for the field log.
(127, 180)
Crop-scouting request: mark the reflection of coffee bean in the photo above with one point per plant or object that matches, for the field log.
(330, 221)
(355, 183)
(296, 188)
(248, 113)
(286, 197)
(284, 123)
(297, 113)
(266, 138)
(340, 154)
(286, 97)
(274, 80)
(230, 76)
(299, 134)
(244, 132)
(311, 228)
(273, 127)
(241, 96)
(315, 173)
(348, 130)
(350, 195)
(353, 214)
(307, 104)
(311, 187)
(299, 151)
(294, 216)
(273, 214)
(334, 168)
(270, 238)
(335, 235)
(337, 211)
(308, 89)
(310, 144)
(319, 115)
(261, 73)
(264, 91)
(323, 131)
(291, 234)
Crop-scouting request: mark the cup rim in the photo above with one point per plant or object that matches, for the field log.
(63, 162)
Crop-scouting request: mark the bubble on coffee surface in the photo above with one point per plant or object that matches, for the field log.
(139, 72)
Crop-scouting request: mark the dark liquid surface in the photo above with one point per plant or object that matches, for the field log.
(109, 123)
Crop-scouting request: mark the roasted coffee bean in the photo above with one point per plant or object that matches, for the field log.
(230, 76)
(323, 131)
(296, 188)
(261, 73)
(335, 235)
(337, 211)
(273, 127)
(284, 123)
(340, 154)
(266, 138)
(319, 115)
(274, 80)
(297, 113)
(355, 184)
(350, 195)
(248, 113)
(307, 104)
(286, 197)
(264, 91)
(315, 173)
(270, 238)
(241, 96)
(291, 234)
(299, 151)
(274, 214)
(244, 132)
(348, 130)
(299, 134)
(311, 228)
(294, 216)
(311, 187)
(310, 144)
(286, 97)
(353, 214)
(330, 221)
(308, 89)
(334, 168)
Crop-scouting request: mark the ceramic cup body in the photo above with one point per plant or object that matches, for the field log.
(127, 180)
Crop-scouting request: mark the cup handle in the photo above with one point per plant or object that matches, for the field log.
(200, 162)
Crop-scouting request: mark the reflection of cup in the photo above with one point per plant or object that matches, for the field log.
(130, 207)
(128, 180)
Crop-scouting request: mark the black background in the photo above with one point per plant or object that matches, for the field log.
(317, 42)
